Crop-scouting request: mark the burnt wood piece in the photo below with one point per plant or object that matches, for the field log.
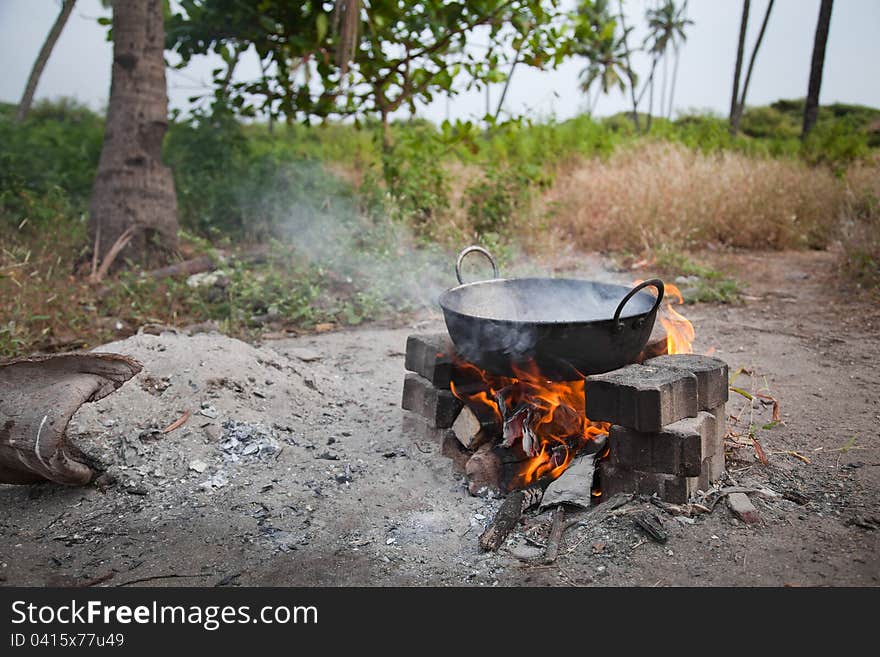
(711, 373)
(431, 356)
(658, 344)
(651, 525)
(474, 428)
(38, 396)
(555, 537)
(438, 407)
(503, 523)
(494, 469)
(641, 397)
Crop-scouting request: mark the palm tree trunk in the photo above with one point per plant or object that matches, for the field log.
(30, 89)
(133, 194)
(651, 95)
(811, 108)
(743, 27)
(629, 70)
(745, 89)
(665, 79)
(507, 81)
(684, 7)
(674, 80)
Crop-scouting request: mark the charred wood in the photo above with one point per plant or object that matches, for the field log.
(503, 523)
(553, 540)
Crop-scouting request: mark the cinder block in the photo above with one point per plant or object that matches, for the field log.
(711, 373)
(678, 449)
(614, 480)
(431, 356)
(641, 397)
(438, 407)
(670, 488)
(452, 449)
(416, 427)
(718, 459)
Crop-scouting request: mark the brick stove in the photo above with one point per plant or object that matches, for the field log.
(666, 414)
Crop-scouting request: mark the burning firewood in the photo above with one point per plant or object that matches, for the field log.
(474, 428)
(38, 396)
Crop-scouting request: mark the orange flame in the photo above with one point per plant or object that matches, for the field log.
(556, 423)
(679, 331)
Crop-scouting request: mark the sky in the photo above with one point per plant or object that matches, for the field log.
(80, 64)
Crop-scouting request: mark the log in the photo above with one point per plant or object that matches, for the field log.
(503, 523)
(555, 537)
(473, 429)
(494, 468)
(187, 267)
(38, 396)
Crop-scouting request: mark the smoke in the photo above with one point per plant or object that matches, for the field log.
(358, 246)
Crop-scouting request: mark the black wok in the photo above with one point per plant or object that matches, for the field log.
(567, 327)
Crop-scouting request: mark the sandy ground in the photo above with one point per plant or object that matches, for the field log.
(320, 487)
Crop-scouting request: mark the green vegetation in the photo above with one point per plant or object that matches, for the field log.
(593, 183)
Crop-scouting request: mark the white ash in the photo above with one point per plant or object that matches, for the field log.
(242, 439)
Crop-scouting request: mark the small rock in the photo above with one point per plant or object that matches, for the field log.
(390, 541)
(304, 354)
(743, 508)
(525, 552)
(208, 411)
(327, 456)
(219, 480)
(198, 466)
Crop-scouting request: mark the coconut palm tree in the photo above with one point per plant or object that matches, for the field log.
(133, 209)
(30, 89)
(605, 48)
(742, 99)
(817, 63)
(666, 25)
(737, 69)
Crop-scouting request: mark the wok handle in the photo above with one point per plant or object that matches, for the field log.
(654, 282)
(478, 249)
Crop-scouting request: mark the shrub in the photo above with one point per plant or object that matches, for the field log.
(657, 194)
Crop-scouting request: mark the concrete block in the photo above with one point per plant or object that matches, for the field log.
(678, 449)
(641, 397)
(438, 407)
(431, 356)
(711, 373)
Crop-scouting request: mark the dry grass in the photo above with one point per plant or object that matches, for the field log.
(663, 194)
(860, 225)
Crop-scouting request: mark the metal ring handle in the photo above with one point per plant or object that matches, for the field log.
(654, 282)
(478, 249)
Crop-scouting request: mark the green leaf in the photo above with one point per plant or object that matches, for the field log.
(321, 26)
(742, 392)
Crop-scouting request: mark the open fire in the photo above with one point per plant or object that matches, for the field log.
(544, 421)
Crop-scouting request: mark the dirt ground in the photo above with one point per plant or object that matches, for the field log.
(293, 469)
